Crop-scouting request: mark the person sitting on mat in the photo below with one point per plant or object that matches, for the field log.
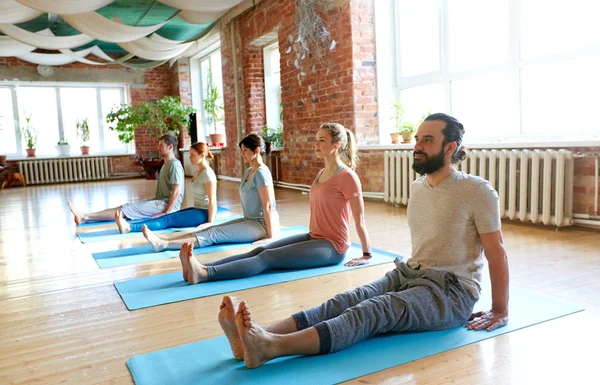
(204, 189)
(334, 195)
(168, 196)
(453, 218)
(261, 221)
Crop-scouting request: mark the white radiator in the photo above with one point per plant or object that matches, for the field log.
(42, 171)
(533, 185)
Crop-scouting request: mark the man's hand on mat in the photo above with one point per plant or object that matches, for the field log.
(261, 241)
(357, 261)
(489, 320)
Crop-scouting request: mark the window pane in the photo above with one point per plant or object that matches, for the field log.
(558, 98)
(217, 76)
(109, 99)
(79, 103)
(419, 36)
(487, 106)
(8, 141)
(40, 104)
(418, 100)
(478, 33)
(272, 86)
(555, 26)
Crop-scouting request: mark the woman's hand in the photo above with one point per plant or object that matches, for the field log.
(358, 261)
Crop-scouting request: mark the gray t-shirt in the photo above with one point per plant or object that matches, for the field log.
(198, 187)
(251, 203)
(170, 173)
(445, 222)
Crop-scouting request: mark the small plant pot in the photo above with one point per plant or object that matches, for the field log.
(63, 149)
(395, 138)
(217, 139)
(407, 137)
(85, 150)
(30, 152)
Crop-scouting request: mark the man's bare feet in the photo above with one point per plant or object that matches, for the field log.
(198, 272)
(123, 225)
(157, 243)
(227, 322)
(257, 343)
(77, 216)
(185, 264)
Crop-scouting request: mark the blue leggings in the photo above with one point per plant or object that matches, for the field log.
(190, 217)
(296, 252)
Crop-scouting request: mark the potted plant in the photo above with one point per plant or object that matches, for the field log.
(29, 134)
(398, 116)
(407, 130)
(213, 110)
(273, 136)
(83, 133)
(63, 148)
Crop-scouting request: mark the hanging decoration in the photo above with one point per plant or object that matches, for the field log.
(12, 12)
(45, 42)
(65, 7)
(202, 6)
(10, 47)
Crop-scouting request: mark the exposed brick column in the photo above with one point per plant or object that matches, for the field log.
(254, 89)
(180, 77)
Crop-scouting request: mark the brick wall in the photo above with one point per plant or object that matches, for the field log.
(180, 85)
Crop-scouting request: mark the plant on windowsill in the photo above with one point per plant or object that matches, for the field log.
(214, 110)
(398, 116)
(29, 134)
(273, 136)
(407, 131)
(83, 133)
(63, 148)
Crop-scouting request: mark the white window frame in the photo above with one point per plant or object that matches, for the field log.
(272, 102)
(13, 86)
(388, 71)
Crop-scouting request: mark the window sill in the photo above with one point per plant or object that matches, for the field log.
(25, 157)
(592, 142)
(212, 149)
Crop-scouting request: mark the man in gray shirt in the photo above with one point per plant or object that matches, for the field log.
(168, 196)
(454, 219)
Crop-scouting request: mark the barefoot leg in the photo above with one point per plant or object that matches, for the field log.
(123, 225)
(227, 322)
(157, 243)
(257, 343)
(185, 264)
(198, 272)
(77, 216)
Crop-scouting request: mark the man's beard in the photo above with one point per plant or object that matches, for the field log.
(429, 165)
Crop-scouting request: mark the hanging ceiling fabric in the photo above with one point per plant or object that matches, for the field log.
(11, 47)
(94, 50)
(46, 42)
(53, 59)
(95, 25)
(200, 17)
(147, 54)
(12, 12)
(65, 7)
(147, 65)
(202, 6)
(158, 44)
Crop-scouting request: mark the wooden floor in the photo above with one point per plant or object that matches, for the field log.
(61, 320)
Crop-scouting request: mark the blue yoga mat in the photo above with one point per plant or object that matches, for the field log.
(114, 234)
(210, 361)
(156, 290)
(141, 254)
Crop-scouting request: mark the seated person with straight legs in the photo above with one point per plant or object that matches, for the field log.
(260, 222)
(334, 194)
(454, 219)
(204, 188)
(168, 196)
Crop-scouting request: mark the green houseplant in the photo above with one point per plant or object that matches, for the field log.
(29, 134)
(273, 136)
(213, 110)
(63, 147)
(83, 133)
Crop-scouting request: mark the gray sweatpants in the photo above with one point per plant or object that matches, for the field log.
(404, 300)
(296, 252)
(239, 230)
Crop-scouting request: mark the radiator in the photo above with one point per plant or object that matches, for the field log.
(533, 185)
(43, 171)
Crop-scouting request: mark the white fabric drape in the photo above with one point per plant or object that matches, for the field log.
(94, 50)
(12, 12)
(95, 25)
(54, 59)
(42, 41)
(158, 43)
(200, 17)
(65, 7)
(10, 47)
(202, 6)
(135, 48)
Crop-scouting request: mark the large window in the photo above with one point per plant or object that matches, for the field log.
(508, 69)
(208, 73)
(53, 112)
(272, 85)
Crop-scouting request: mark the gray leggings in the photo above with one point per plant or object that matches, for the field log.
(404, 300)
(295, 252)
(240, 230)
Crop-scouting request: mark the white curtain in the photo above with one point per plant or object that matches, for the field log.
(10, 47)
(65, 7)
(46, 42)
(202, 6)
(96, 25)
(158, 43)
(200, 17)
(135, 48)
(13, 12)
(93, 50)
(54, 59)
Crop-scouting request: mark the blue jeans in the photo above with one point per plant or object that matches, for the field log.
(190, 217)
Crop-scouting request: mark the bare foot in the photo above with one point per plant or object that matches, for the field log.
(123, 225)
(185, 264)
(257, 343)
(77, 216)
(157, 243)
(227, 322)
(198, 272)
